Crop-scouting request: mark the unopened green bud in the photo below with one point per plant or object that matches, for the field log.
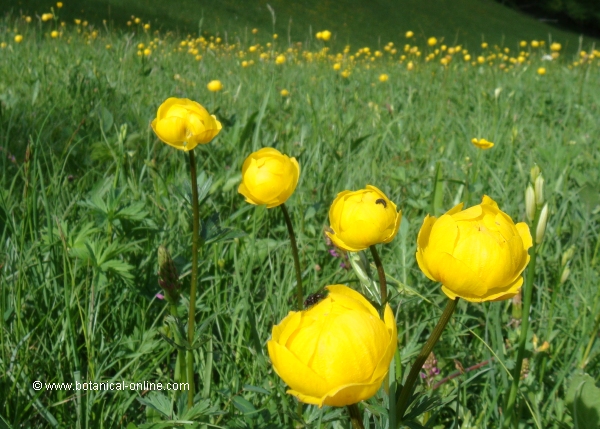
(168, 278)
(541, 226)
(530, 203)
(539, 190)
(534, 173)
(565, 275)
(566, 257)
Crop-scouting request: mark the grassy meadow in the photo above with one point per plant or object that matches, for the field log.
(88, 193)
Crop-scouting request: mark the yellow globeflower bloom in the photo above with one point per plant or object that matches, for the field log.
(280, 59)
(362, 218)
(269, 177)
(47, 17)
(555, 47)
(59, 4)
(214, 85)
(184, 124)
(482, 143)
(432, 41)
(54, 34)
(484, 45)
(410, 66)
(345, 74)
(523, 43)
(336, 352)
(325, 35)
(409, 34)
(285, 93)
(541, 71)
(535, 44)
(477, 254)
(254, 30)
(337, 66)
(18, 38)
(383, 77)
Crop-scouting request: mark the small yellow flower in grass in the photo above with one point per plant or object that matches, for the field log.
(146, 27)
(523, 43)
(555, 47)
(18, 38)
(541, 71)
(345, 74)
(137, 20)
(54, 34)
(335, 353)
(108, 46)
(409, 34)
(535, 44)
(215, 86)
(77, 21)
(285, 93)
(410, 66)
(482, 143)
(477, 254)
(27, 19)
(275, 36)
(269, 177)
(325, 35)
(47, 17)
(3, 45)
(147, 52)
(245, 64)
(280, 59)
(383, 77)
(254, 30)
(467, 57)
(184, 124)
(362, 218)
(432, 41)
(337, 66)
(484, 45)
(59, 4)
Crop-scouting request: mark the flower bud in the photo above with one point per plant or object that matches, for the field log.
(566, 257)
(539, 190)
(168, 278)
(541, 226)
(565, 275)
(530, 203)
(534, 173)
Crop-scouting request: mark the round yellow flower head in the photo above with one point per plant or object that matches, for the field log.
(269, 177)
(280, 59)
(59, 4)
(555, 47)
(432, 41)
(18, 38)
(383, 77)
(362, 218)
(214, 86)
(535, 44)
(325, 35)
(285, 93)
(482, 143)
(409, 34)
(184, 124)
(541, 71)
(477, 254)
(335, 353)
(54, 34)
(47, 17)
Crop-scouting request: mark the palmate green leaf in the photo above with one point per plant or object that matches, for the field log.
(158, 402)
(134, 211)
(583, 399)
(202, 408)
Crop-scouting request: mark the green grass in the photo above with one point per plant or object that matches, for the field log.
(352, 21)
(82, 218)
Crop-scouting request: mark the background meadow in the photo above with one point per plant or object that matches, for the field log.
(88, 193)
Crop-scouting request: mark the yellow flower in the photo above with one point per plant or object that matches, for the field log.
(523, 43)
(275, 36)
(184, 124)
(325, 35)
(59, 4)
(215, 85)
(269, 177)
(337, 66)
(362, 218)
(482, 143)
(280, 59)
(147, 51)
(27, 19)
(77, 21)
(18, 38)
(383, 77)
(409, 34)
(410, 66)
(335, 353)
(541, 71)
(47, 17)
(432, 41)
(146, 26)
(535, 44)
(3, 45)
(54, 34)
(345, 74)
(555, 47)
(285, 93)
(484, 45)
(254, 30)
(477, 254)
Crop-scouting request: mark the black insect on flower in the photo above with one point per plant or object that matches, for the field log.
(313, 299)
(382, 202)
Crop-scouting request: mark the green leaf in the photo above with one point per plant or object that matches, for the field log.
(256, 389)
(243, 405)
(159, 402)
(583, 399)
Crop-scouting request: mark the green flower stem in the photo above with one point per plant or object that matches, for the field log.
(180, 375)
(528, 293)
(299, 292)
(193, 279)
(382, 281)
(588, 349)
(355, 417)
(406, 391)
